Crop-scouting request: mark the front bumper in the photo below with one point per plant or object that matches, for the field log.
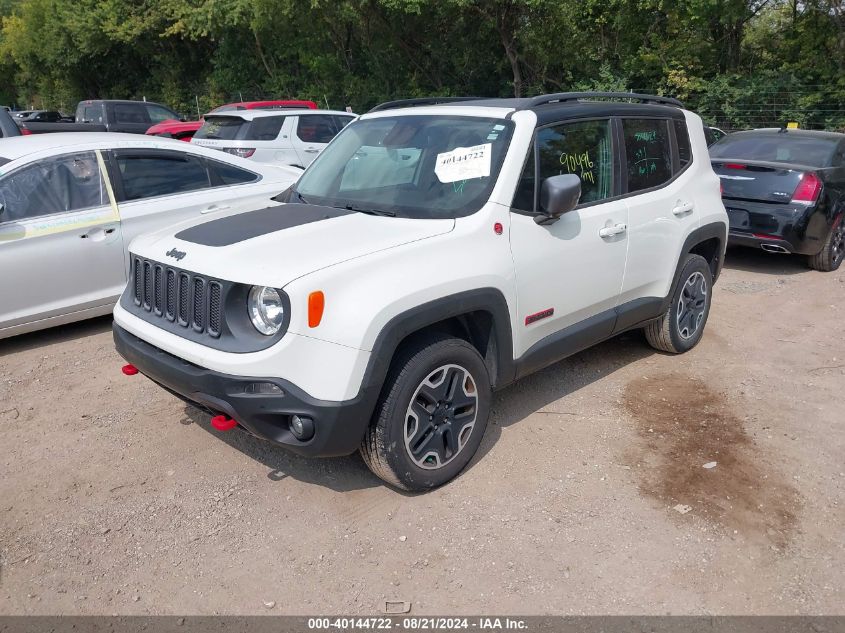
(338, 426)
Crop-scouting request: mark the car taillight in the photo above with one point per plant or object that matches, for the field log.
(25, 132)
(243, 152)
(808, 189)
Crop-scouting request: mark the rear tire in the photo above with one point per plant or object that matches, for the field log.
(830, 257)
(431, 416)
(681, 327)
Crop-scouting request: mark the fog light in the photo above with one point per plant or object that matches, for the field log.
(301, 427)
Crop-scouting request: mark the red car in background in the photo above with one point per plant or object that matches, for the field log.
(185, 130)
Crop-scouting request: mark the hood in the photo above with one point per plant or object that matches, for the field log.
(276, 245)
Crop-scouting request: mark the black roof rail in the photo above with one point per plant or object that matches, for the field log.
(421, 101)
(562, 97)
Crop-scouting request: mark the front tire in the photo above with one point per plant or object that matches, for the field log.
(830, 257)
(681, 327)
(431, 416)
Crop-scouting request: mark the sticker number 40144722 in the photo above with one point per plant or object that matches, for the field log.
(463, 163)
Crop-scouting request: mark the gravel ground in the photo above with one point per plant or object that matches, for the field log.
(589, 494)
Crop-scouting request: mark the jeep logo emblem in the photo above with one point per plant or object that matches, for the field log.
(177, 255)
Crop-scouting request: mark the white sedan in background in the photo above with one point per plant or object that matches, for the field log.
(70, 203)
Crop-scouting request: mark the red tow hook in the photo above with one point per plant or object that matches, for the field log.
(129, 370)
(222, 423)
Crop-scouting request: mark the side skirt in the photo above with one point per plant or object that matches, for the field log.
(580, 336)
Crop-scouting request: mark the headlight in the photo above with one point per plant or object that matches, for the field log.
(266, 310)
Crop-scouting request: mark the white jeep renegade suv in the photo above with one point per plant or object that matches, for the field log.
(430, 255)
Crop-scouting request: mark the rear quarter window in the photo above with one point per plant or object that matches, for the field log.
(682, 138)
(230, 175)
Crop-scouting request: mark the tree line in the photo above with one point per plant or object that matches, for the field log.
(740, 63)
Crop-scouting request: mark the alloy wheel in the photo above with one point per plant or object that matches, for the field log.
(441, 416)
(837, 244)
(692, 305)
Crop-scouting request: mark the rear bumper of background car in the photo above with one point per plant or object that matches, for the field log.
(777, 228)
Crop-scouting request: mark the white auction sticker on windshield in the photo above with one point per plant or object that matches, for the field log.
(464, 163)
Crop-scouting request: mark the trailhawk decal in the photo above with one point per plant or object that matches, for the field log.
(537, 316)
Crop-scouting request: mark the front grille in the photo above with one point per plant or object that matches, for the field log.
(214, 316)
(178, 296)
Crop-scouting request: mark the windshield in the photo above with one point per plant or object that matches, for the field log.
(777, 148)
(417, 166)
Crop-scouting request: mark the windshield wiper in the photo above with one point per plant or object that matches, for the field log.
(301, 197)
(389, 214)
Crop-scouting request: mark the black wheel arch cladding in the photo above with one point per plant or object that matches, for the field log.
(497, 347)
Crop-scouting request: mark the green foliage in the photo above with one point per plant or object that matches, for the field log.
(739, 62)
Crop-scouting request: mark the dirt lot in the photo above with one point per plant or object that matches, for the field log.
(588, 495)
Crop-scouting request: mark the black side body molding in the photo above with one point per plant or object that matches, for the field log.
(488, 300)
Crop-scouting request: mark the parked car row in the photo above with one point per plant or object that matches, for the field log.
(434, 251)
(287, 132)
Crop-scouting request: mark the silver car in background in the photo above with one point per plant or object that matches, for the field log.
(70, 204)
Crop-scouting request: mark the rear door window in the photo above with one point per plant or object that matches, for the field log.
(152, 174)
(55, 185)
(648, 152)
(342, 121)
(265, 128)
(316, 128)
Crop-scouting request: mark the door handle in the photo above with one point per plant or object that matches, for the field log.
(214, 207)
(97, 234)
(610, 231)
(311, 150)
(683, 209)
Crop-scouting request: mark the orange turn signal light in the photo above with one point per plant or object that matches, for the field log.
(316, 304)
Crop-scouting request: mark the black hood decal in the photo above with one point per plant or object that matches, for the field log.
(245, 226)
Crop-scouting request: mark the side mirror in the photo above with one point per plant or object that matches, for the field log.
(558, 195)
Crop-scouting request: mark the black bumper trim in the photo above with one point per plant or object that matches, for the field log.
(741, 238)
(339, 426)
